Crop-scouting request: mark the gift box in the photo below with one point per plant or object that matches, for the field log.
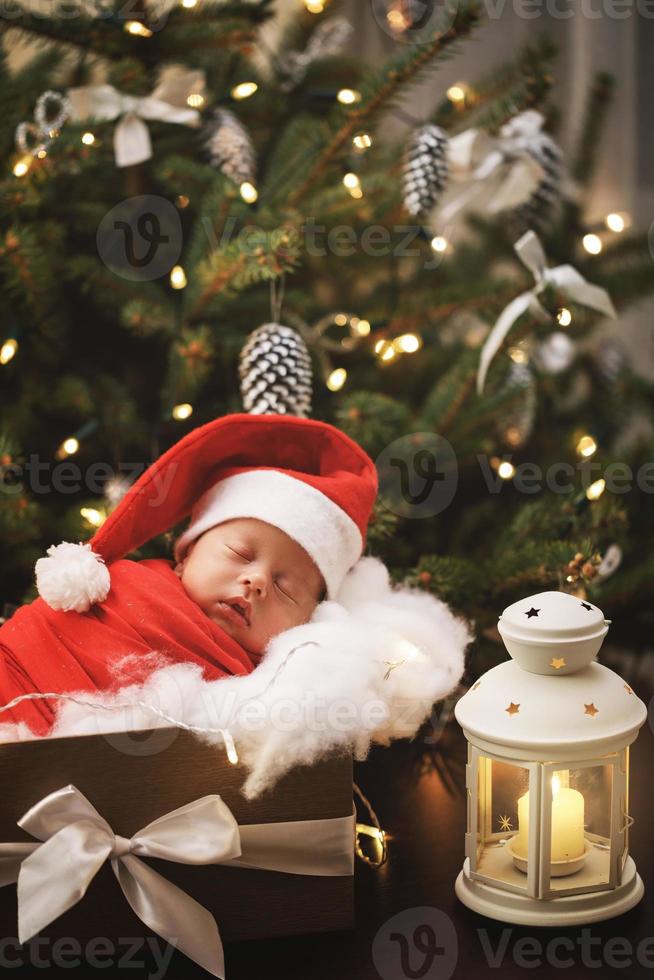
(132, 779)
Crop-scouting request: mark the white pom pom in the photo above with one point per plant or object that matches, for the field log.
(72, 578)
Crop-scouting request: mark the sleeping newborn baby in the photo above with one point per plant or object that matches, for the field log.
(278, 511)
(252, 579)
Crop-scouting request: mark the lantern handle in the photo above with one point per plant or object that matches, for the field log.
(629, 821)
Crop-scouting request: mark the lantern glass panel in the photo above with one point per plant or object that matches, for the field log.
(499, 785)
(580, 801)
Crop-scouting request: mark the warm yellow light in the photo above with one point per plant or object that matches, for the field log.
(195, 100)
(183, 411)
(315, 6)
(94, 517)
(456, 94)
(249, 193)
(506, 470)
(556, 785)
(592, 244)
(407, 343)
(351, 180)
(137, 28)
(517, 355)
(362, 141)
(586, 446)
(8, 350)
(439, 243)
(42, 154)
(397, 21)
(361, 327)
(189, 3)
(183, 201)
(178, 278)
(336, 379)
(69, 446)
(348, 96)
(356, 193)
(617, 221)
(244, 90)
(340, 319)
(22, 166)
(596, 489)
(564, 316)
(88, 139)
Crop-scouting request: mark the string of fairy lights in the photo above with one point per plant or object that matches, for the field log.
(386, 349)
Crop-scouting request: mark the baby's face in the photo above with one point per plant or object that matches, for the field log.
(245, 559)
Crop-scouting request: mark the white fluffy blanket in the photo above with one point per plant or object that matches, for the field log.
(361, 671)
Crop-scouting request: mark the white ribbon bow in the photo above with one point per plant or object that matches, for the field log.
(564, 277)
(54, 876)
(132, 142)
(490, 174)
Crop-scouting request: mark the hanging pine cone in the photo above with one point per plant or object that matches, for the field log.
(229, 147)
(425, 169)
(275, 372)
(537, 212)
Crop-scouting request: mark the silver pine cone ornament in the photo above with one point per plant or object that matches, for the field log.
(425, 169)
(537, 212)
(275, 372)
(229, 147)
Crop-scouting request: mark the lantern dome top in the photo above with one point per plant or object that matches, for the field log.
(586, 712)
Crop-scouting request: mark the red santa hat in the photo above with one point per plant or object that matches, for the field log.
(304, 476)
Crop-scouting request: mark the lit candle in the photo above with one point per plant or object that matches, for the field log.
(567, 824)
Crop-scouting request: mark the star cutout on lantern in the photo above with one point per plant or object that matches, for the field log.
(513, 709)
(557, 662)
(532, 612)
(505, 823)
(586, 606)
(628, 689)
(590, 709)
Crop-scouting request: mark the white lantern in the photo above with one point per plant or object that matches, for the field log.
(547, 774)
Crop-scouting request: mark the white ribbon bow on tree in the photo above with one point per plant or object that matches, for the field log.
(132, 142)
(489, 174)
(53, 876)
(563, 277)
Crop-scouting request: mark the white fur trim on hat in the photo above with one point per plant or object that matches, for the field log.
(325, 531)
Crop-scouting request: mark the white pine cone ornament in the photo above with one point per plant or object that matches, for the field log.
(538, 211)
(275, 372)
(425, 169)
(230, 148)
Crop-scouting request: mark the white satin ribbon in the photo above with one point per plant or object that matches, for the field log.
(564, 277)
(489, 174)
(131, 136)
(53, 876)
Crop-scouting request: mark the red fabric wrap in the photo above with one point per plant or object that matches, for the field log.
(147, 615)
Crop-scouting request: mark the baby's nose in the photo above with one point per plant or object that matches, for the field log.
(256, 579)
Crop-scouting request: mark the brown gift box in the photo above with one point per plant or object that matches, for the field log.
(135, 777)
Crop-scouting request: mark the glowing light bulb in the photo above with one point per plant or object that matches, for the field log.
(351, 180)
(356, 193)
(244, 90)
(22, 166)
(592, 244)
(564, 317)
(249, 193)
(506, 470)
(407, 343)
(397, 21)
(189, 3)
(195, 100)
(68, 446)
(94, 517)
(617, 221)
(183, 411)
(88, 139)
(183, 201)
(556, 785)
(517, 355)
(178, 278)
(439, 243)
(361, 328)
(314, 6)
(362, 141)
(137, 28)
(586, 446)
(336, 379)
(340, 319)
(457, 93)
(596, 489)
(348, 96)
(8, 350)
